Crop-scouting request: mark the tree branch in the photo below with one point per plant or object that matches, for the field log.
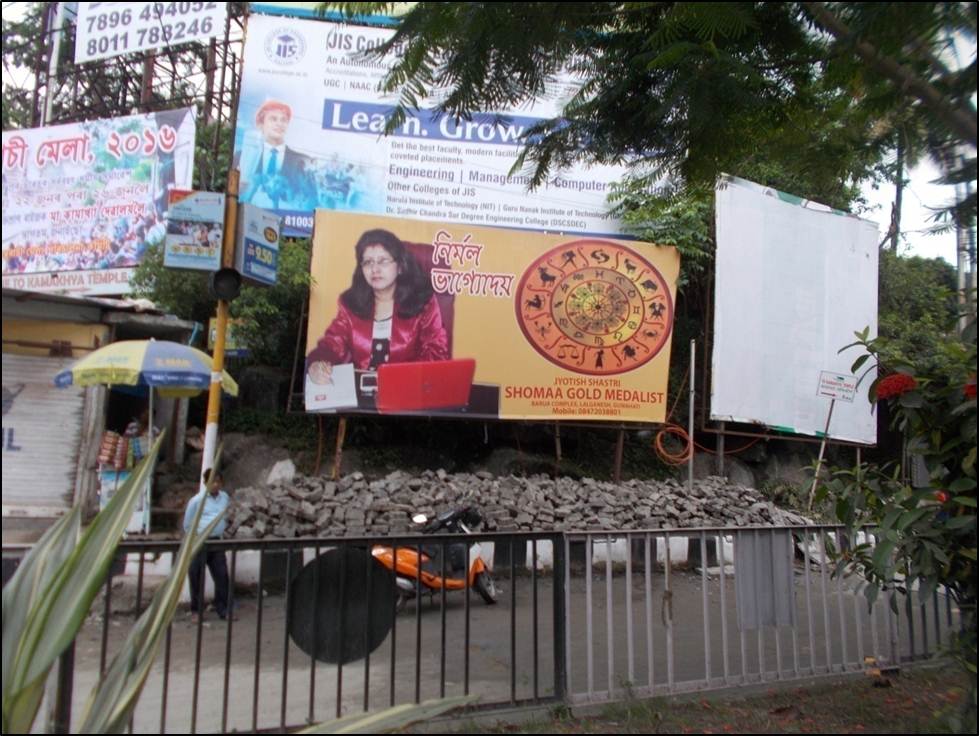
(961, 122)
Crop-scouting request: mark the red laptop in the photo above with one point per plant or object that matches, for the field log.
(438, 384)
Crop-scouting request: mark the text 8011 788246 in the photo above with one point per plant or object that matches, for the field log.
(106, 29)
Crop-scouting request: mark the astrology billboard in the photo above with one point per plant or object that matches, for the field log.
(83, 202)
(310, 135)
(438, 318)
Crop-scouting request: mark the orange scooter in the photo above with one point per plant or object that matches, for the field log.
(428, 558)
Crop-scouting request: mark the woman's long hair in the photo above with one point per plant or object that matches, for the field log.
(412, 289)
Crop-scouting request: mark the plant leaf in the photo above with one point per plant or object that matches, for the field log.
(397, 717)
(961, 522)
(962, 484)
(80, 578)
(113, 700)
(20, 596)
(52, 591)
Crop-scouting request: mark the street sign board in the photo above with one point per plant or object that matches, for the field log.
(837, 386)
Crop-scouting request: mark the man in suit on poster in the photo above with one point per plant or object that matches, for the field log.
(275, 175)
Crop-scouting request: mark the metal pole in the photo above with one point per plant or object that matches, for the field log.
(822, 449)
(693, 363)
(217, 368)
(619, 449)
(557, 447)
(61, 716)
(966, 257)
(148, 489)
(56, 35)
(338, 453)
(720, 451)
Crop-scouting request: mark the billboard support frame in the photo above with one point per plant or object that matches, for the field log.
(822, 450)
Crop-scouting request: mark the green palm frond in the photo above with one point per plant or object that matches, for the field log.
(48, 598)
(398, 716)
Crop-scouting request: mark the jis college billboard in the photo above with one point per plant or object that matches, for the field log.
(310, 136)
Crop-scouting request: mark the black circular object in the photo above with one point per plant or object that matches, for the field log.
(335, 582)
(225, 283)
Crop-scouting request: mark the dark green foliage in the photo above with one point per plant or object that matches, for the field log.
(917, 307)
(20, 41)
(804, 97)
(926, 533)
(271, 314)
(213, 156)
(296, 431)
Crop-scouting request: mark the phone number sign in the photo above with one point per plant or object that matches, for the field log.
(111, 29)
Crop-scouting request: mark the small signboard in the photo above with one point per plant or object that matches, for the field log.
(195, 229)
(109, 482)
(837, 386)
(257, 254)
(104, 30)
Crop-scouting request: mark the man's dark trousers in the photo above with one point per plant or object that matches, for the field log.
(218, 565)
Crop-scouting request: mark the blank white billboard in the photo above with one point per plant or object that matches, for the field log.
(794, 282)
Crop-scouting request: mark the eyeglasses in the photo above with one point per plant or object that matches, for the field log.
(369, 263)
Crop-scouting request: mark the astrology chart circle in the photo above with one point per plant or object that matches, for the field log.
(595, 307)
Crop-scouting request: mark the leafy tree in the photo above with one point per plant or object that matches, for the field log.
(808, 98)
(925, 533)
(270, 314)
(108, 88)
(899, 59)
(20, 47)
(676, 81)
(916, 309)
(679, 88)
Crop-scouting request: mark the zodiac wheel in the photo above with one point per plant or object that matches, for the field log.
(595, 307)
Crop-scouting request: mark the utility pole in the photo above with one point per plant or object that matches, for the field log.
(217, 368)
(965, 242)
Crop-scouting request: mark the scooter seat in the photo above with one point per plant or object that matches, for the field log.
(454, 564)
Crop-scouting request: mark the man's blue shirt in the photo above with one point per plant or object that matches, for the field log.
(213, 505)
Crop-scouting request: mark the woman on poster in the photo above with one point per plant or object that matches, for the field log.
(388, 315)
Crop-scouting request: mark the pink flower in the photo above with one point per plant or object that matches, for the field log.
(895, 385)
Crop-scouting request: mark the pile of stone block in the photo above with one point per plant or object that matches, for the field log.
(355, 506)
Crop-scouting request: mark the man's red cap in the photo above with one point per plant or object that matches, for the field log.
(269, 106)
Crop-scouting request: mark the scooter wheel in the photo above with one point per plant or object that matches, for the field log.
(486, 587)
(401, 602)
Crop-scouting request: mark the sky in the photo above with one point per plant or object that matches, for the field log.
(921, 196)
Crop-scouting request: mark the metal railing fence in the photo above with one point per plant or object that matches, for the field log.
(652, 626)
(580, 617)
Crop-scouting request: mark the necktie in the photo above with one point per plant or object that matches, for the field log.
(273, 166)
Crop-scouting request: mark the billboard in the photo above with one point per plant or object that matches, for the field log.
(440, 318)
(195, 225)
(794, 282)
(309, 135)
(82, 202)
(257, 249)
(104, 30)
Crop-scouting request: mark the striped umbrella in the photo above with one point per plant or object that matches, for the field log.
(174, 368)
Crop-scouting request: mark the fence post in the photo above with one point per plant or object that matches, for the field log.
(560, 562)
(63, 693)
